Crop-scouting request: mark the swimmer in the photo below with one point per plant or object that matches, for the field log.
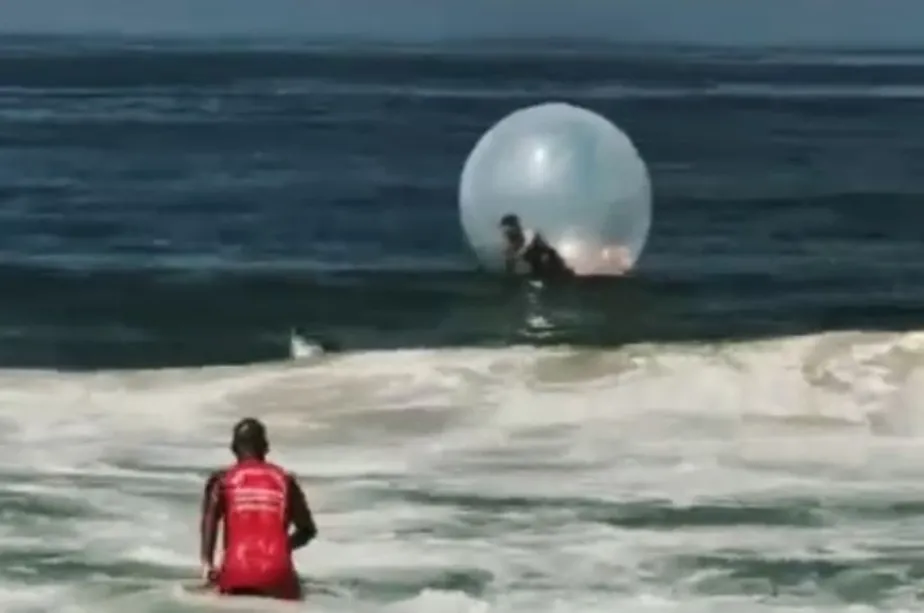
(529, 247)
(257, 501)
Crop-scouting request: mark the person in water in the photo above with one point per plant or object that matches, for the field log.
(541, 259)
(257, 502)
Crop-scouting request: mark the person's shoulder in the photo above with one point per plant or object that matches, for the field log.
(292, 480)
(216, 476)
(282, 470)
(215, 481)
(291, 477)
(294, 488)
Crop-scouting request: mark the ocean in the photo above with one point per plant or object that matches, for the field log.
(736, 427)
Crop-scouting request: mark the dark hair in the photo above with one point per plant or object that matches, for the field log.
(510, 221)
(249, 437)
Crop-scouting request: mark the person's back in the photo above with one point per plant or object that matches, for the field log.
(257, 501)
(543, 260)
(256, 538)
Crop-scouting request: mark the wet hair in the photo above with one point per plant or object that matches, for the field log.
(249, 438)
(510, 221)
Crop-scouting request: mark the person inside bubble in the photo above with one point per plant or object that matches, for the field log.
(531, 249)
(574, 258)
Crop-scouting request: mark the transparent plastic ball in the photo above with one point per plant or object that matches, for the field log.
(569, 175)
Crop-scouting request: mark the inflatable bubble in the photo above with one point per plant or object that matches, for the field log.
(569, 175)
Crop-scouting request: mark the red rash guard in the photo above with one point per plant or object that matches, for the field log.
(257, 500)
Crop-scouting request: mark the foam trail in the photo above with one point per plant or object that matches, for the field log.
(301, 349)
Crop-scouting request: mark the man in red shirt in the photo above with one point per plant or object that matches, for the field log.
(257, 501)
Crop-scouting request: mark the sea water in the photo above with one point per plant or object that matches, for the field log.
(737, 427)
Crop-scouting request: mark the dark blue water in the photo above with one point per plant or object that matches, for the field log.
(180, 204)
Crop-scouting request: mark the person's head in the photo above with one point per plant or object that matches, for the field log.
(249, 440)
(510, 226)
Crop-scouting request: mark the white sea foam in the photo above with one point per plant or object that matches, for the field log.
(512, 470)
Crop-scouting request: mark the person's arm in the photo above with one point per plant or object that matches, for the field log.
(300, 516)
(213, 510)
(553, 263)
(510, 260)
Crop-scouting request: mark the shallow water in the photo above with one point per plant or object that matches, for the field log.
(774, 476)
